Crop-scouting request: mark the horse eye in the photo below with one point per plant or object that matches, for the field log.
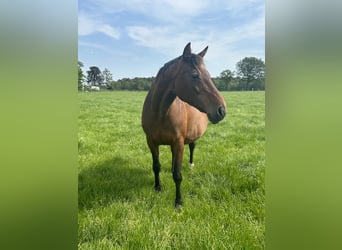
(195, 76)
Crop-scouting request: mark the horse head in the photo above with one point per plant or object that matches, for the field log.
(193, 85)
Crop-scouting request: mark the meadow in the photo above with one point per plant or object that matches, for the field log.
(224, 194)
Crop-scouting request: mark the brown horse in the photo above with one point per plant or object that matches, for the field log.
(177, 108)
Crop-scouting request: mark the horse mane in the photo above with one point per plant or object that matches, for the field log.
(193, 60)
(165, 101)
(167, 65)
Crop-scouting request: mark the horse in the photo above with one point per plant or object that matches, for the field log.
(176, 111)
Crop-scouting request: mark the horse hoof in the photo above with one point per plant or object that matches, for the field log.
(157, 189)
(191, 164)
(178, 205)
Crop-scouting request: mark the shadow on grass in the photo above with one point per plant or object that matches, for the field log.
(112, 181)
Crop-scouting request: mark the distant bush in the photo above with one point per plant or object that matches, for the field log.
(136, 84)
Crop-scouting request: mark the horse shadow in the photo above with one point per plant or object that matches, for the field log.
(114, 180)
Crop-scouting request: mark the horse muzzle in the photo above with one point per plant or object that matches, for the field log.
(218, 116)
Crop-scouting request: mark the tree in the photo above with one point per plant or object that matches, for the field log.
(252, 72)
(226, 76)
(107, 77)
(80, 75)
(219, 83)
(94, 76)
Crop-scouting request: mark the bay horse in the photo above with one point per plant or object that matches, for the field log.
(176, 111)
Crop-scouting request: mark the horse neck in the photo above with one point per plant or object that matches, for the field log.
(163, 94)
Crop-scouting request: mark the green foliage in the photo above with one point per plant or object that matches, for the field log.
(252, 73)
(232, 84)
(226, 75)
(224, 80)
(107, 77)
(224, 194)
(137, 83)
(250, 76)
(94, 76)
(80, 75)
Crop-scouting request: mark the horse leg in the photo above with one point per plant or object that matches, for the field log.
(177, 152)
(192, 147)
(155, 165)
(173, 158)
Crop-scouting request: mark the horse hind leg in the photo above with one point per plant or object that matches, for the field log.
(192, 147)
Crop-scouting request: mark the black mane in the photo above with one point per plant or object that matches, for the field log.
(166, 65)
(193, 60)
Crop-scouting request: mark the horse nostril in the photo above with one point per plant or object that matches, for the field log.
(221, 111)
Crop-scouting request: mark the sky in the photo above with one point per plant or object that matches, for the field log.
(135, 38)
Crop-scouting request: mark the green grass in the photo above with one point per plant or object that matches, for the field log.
(224, 194)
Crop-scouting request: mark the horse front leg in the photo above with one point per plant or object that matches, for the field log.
(177, 153)
(192, 147)
(155, 164)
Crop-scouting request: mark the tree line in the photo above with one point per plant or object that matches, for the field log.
(249, 75)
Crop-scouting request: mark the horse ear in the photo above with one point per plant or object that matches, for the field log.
(187, 51)
(203, 52)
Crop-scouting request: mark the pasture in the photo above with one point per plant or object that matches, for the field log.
(224, 194)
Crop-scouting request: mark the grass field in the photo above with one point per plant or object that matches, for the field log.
(224, 194)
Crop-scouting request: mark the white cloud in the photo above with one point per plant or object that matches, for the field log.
(88, 25)
(92, 45)
(233, 29)
(161, 38)
(160, 9)
(168, 38)
(147, 36)
(109, 31)
(178, 11)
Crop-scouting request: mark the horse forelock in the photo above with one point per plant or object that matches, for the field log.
(195, 60)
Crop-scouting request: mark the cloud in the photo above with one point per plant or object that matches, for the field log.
(168, 10)
(162, 10)
(144, 35)
(233, 29)
(152, 37)
(227, 45)
(109, 31)
(97, 46)
(190, 19)
(166, 38)
(88, 25)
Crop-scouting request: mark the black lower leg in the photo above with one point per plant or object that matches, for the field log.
(192, 147)
(156, 170)
(177, 177)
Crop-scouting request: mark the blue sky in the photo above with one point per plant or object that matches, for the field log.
(134, 38)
